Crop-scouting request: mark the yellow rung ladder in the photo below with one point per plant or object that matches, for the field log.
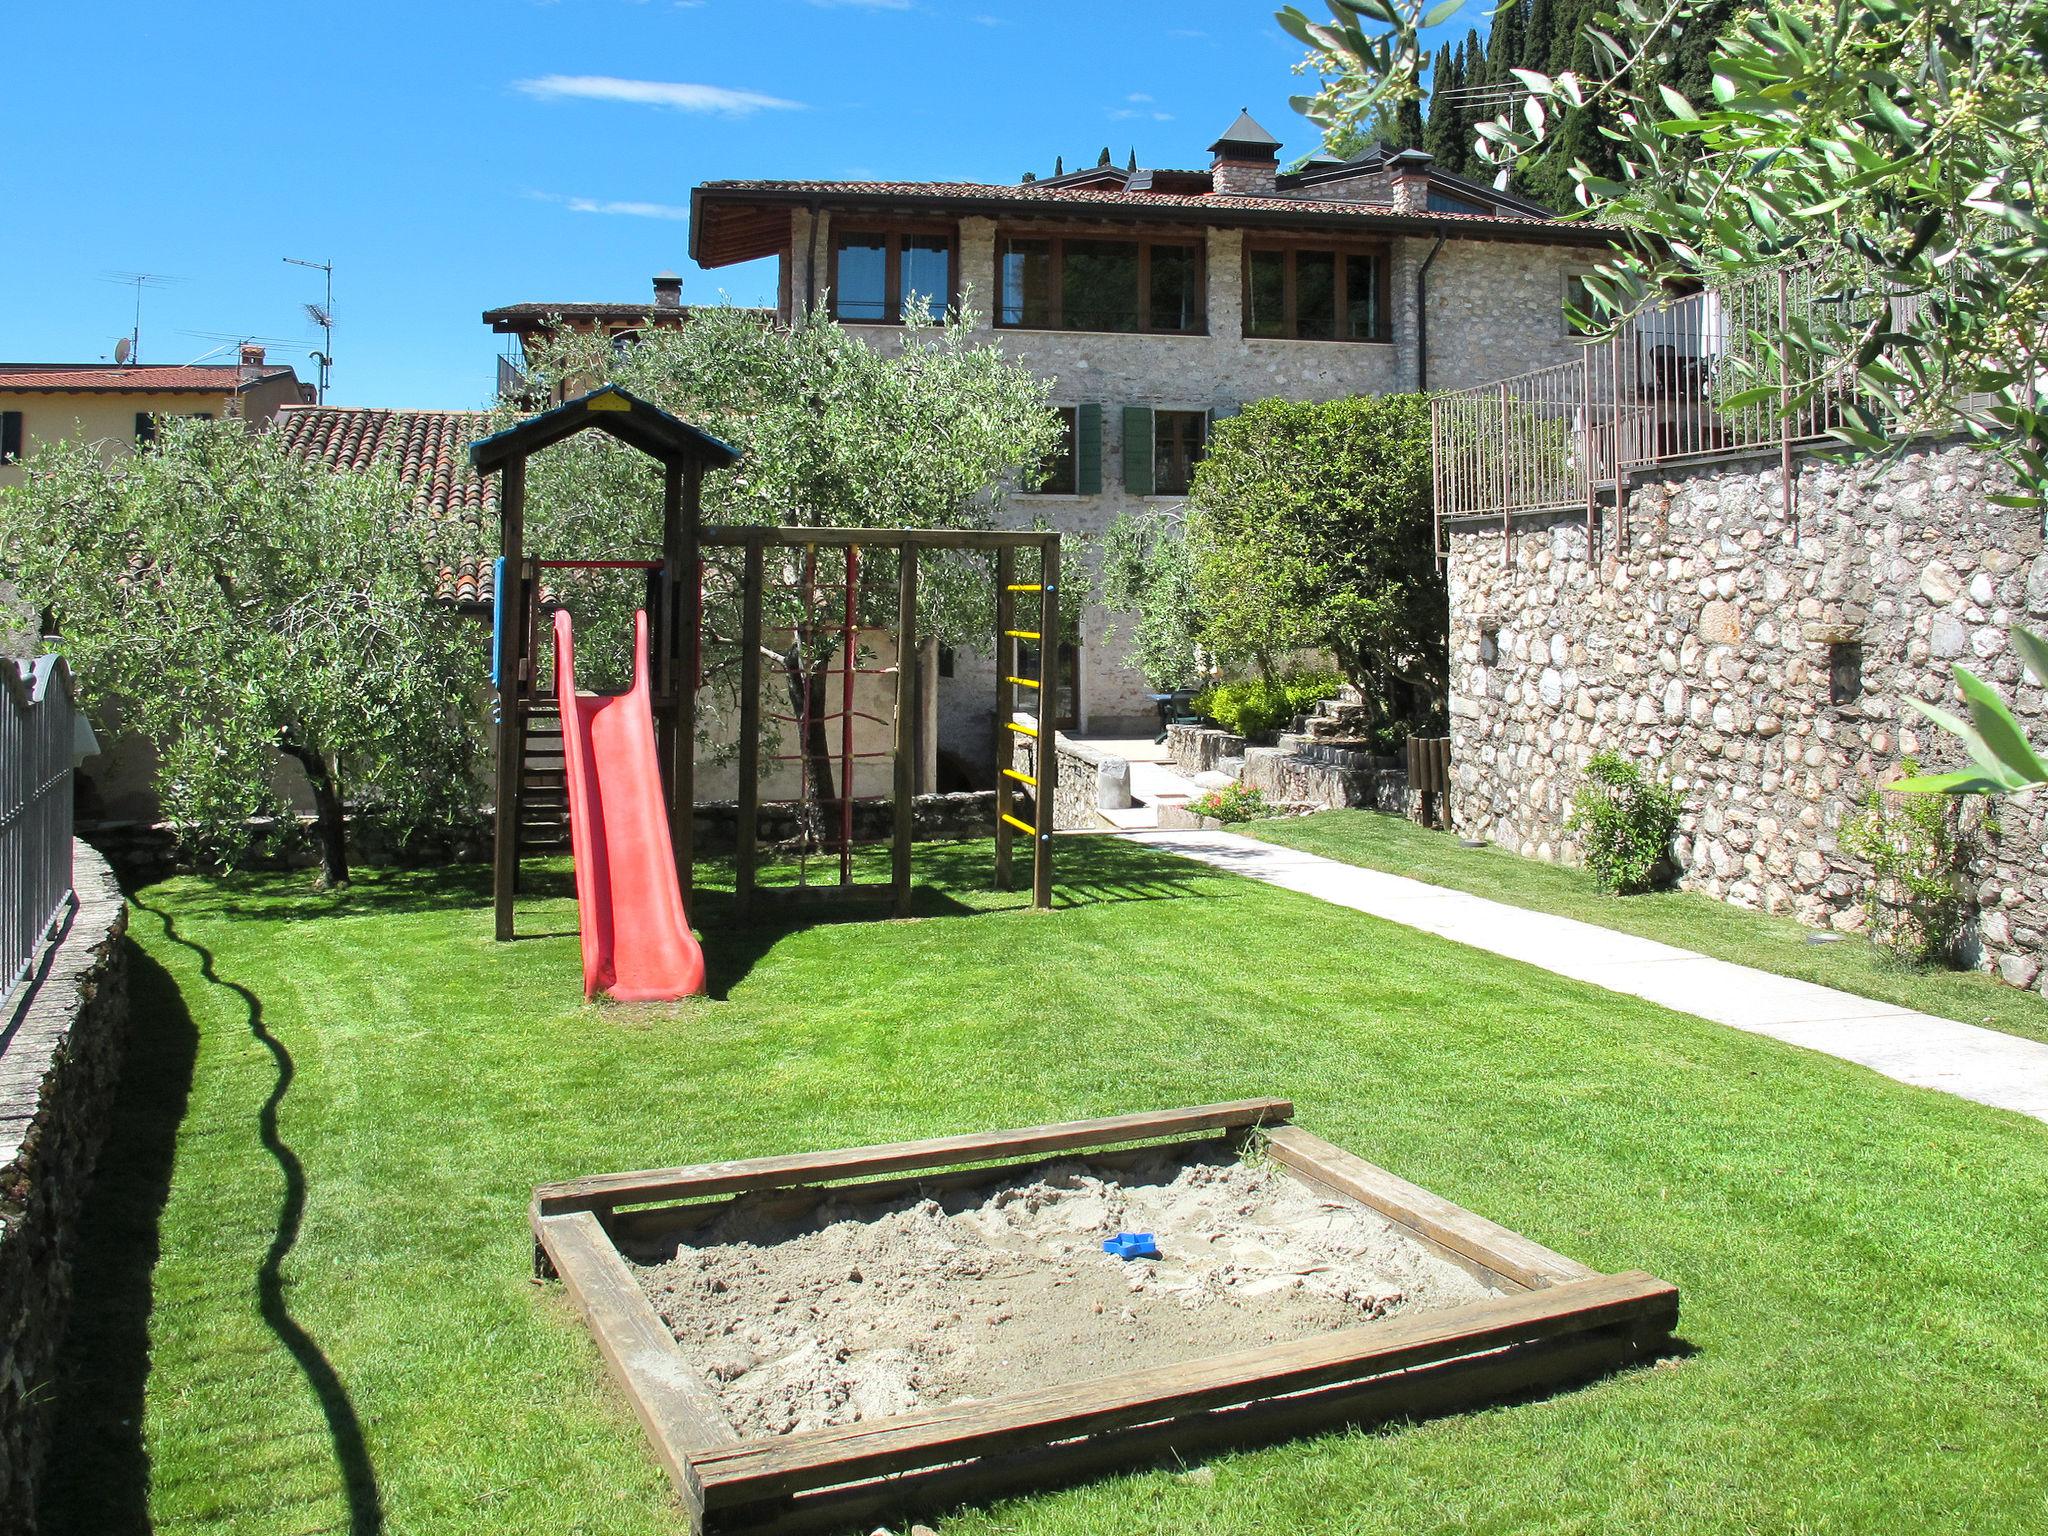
(1021, 778)
(1021, 682)
(1029, 586)
(1021, 634)
(1021, 826)
(1022, 730)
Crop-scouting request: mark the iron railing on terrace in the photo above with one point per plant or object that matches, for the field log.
(1677, 382)
(38, 743)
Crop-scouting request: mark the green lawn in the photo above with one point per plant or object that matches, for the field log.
(1684, 918)
(306, 1304)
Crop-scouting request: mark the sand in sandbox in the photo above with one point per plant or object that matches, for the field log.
(849, 1312)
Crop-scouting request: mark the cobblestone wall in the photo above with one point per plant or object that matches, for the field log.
(61, 1043)
(1700, 643)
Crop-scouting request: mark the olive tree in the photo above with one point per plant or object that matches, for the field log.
(1309, 527)
(834, 432)
(1895, 150)
(241, 606)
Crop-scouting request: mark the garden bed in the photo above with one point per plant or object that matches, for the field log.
(801, 1354)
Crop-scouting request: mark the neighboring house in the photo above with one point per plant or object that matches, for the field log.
(117, 405)
(1159, 300)
(622, 322)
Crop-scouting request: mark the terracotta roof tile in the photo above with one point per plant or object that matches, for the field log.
(430, 451)
(147, 378)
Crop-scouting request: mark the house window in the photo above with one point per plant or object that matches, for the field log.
(1068, 704)
(1055, 283)
(145, 429)
(1578, 299)
(1489, 645)
(1178, 439)
(10, 437)
(879, 278)
(1303, 294)
(1845, 672)
(1059, 478)
(1445, 202)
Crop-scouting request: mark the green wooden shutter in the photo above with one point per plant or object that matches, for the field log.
(1138, 468)
(1088, 450)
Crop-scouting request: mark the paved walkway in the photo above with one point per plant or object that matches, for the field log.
(1981, 1064)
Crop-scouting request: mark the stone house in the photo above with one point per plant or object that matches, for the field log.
(1159, 300)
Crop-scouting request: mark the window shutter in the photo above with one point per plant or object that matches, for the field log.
(1088, 450)
(1138, 469)
(10, 436)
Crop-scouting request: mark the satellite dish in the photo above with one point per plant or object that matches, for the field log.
(121, 350)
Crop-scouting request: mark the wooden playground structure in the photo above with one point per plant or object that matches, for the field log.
(676, 601)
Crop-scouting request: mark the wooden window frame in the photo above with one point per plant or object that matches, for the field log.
(1208, 424)
(1145, 240)
(1291, 247)
(1071, 415)
(892, 236)
(13, 437)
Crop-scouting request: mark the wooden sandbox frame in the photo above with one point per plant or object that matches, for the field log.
(1560, 1321)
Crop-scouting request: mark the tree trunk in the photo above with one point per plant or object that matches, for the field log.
(806, 688)
(330, 824)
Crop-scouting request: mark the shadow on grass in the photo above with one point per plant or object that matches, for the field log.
(97, 1478)
(100, 1479)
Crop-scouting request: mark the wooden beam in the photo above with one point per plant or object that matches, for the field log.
(1485, 1242)
(1047, 758)
(749, 807)
(607, 1191)
(904, 829)
(749, 1471)
(834, 538)
(511, 695)
(676, 1409)
(1006, 707)
(682, 500)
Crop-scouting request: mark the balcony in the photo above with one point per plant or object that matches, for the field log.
(1691, 379)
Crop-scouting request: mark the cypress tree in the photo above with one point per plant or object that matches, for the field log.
(1059, 165)
(1470, 111)
(1408, 131)
(1134, 159)
(1103, 158)
(1440, 134)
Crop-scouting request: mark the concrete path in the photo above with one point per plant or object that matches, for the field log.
(1973, 1063)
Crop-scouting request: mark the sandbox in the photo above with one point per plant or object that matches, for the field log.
(816, 1340)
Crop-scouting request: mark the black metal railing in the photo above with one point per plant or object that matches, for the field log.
(38, 740)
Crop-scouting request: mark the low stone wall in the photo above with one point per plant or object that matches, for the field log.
(1326, 776)
(144, 852)
(1759, 662)
(1091, 780)
(61, 1044)
(1194, 749)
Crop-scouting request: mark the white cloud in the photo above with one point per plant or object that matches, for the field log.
(1137, 96)
(679, 95)
(623, 207)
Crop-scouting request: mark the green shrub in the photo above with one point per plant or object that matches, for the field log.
(1253, 706)
(1914, 897)
(1624, 822)
(1232, 803)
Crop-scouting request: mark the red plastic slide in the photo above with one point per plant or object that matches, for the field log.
(637, 943)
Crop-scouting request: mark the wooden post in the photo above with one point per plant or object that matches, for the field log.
(511, 695)
(906, 723)
(1006, 707)
(681, 508)
(750, 724)
(1047, 757)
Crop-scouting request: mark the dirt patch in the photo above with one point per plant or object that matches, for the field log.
(845, 1311)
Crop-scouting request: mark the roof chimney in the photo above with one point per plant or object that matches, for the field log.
(252, 354)
(668, 291)
(1247, 162)
(1410, 168)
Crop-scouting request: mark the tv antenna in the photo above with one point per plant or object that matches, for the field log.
(139, 280)
(322, 315)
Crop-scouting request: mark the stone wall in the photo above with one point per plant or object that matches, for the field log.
(1698, 641)
(1194, 749)
(146, 851)
(1090, 780)
(61, 1044)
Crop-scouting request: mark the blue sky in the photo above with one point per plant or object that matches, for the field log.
(449, 157)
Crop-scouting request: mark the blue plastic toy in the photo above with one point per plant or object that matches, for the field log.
(1131, 1245)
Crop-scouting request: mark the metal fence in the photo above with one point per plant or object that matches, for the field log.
(1689, 378)
(38, 741)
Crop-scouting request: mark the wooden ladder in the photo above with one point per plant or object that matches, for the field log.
(543, 788)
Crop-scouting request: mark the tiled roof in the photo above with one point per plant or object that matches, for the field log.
(136, 378)
(430, 451)
(1041, 198)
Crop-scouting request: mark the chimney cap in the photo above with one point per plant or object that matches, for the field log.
(1411, 160)
(252, 354)
(668, 289)
(1246, 140)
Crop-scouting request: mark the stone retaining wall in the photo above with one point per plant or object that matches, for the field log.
(61, 1044)
(1091, 780)
(1327, 777)
(1194, 749)
(144, 852)
(1712, 641)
